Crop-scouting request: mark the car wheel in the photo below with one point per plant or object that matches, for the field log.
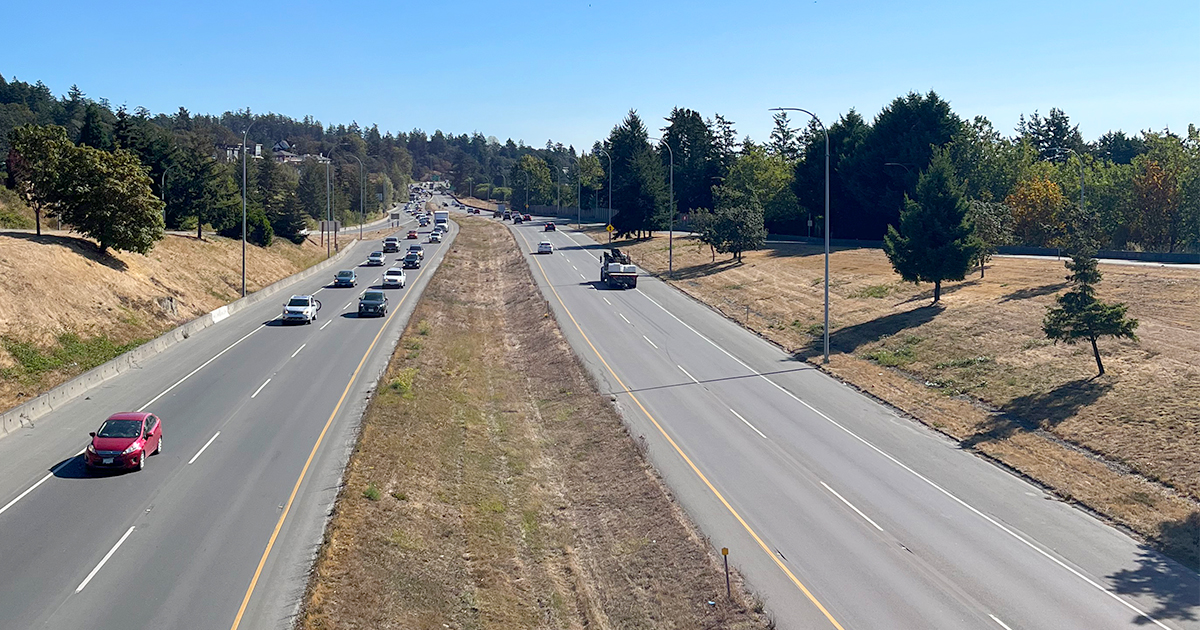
(158, 449)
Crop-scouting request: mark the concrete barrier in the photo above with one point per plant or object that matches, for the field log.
(25, 414)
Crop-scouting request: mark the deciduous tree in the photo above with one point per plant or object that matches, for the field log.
(35, 160)
(107, 196)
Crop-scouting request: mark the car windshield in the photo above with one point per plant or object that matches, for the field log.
(394, 272)
(374, 296)
(411, 256)
(298, 302)
(376, 254)
(120, 429)
(345, 274)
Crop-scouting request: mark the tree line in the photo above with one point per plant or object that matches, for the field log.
(190, 168)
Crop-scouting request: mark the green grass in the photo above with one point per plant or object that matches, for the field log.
(372, 492)
(873, 291)
(897, 356)
(403, 382)
(69, 351)
(423, 327)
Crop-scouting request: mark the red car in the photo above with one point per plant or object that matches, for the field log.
(125, 440)
(412, 234)
(527, 218)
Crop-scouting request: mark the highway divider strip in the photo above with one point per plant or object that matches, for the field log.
(682, 454)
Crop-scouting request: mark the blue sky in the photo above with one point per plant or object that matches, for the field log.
(569, 70)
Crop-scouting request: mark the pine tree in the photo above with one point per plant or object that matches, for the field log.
(935, 241)
(1079, 315)
(95, 132)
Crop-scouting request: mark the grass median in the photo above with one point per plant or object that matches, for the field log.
(492, 487)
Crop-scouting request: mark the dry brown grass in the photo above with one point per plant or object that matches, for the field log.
(979, 369)
(56, 283)
(493, 488)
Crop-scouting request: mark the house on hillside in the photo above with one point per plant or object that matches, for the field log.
(233, 152)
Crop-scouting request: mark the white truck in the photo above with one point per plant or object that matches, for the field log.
(441, 217)
(617, 270)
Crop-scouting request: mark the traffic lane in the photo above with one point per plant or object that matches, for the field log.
(75, 503)
(1080, 542)
(196, 550)
(1070, 584)
(270, 447)
(1071, 540)
(747, 476)
(27, 455)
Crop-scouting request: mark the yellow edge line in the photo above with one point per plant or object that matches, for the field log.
(287, 508)
(687, 459)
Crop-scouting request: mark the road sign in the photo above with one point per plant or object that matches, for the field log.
(609, 228)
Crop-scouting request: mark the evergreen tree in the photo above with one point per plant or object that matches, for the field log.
(935, 241)
(783, 143)
(1080, 315)
(95, 132)
(992, 224)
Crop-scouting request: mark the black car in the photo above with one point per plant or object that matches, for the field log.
(412, 261)
(372, 303)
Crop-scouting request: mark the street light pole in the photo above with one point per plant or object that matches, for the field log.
(610, 175)
(361, 192)
(243, 205)
(826, 132)
(671, 232)
(527, 185)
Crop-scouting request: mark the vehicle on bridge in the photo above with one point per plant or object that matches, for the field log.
(617, 270)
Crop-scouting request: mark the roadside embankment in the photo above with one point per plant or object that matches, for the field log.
(67, 308)
(493, 487)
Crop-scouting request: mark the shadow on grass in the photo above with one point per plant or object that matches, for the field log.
(947, 289)
(80, 246)
(850, 338)
(1041, 410)
(705, 269)
(1031, 292)
(1174, 587)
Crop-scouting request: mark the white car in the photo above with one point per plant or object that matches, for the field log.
(394, 278)
(301, 308)
(545, 247)
(376, 259)
(435, 237)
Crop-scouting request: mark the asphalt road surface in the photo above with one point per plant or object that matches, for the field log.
(840, 513)
(221, 528)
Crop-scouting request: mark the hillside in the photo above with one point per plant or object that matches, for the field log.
(67, 308)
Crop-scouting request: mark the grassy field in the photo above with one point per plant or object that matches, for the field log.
(66, 308)
(978, 368)
(492, 487)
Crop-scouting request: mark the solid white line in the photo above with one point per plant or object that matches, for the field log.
(324, 325)
(623, 317)
(851, 505)
(688, 375)
(606, 300)
(22, 495)
(210, 441)
(105, 559)
(997, 620)
(918, 475)
(193, 372)
(298, 350)
(39, 482)
(739, 416)
(649, 342)
(260, 388)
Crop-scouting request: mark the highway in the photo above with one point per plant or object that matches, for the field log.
(220, 529)
(839, 512)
